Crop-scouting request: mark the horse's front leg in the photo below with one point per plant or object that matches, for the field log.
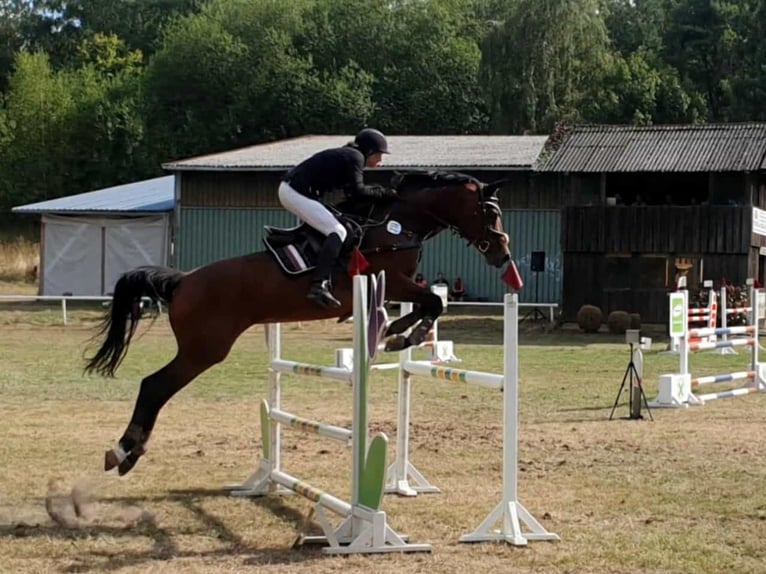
(429, 307)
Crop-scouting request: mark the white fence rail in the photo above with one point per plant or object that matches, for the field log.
(551, 307)
(62, 298)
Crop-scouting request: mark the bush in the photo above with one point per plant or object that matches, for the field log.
(589, 318)
(618, 322)
(635, 320)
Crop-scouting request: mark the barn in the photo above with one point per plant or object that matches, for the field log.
(224, 200)
(88, 240)
(643, 203)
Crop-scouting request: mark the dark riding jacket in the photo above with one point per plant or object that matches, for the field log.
(333, 169)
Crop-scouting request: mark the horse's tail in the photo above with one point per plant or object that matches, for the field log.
(121, 319)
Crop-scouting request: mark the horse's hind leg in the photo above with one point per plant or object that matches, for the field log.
(156, 390)
(195, 355)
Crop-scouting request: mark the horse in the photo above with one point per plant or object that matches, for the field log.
(211, 306)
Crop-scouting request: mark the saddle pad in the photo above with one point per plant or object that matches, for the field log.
(295, 258)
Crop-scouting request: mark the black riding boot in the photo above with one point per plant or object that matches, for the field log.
(320, 285)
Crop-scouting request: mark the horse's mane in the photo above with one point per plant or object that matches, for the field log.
(401, 181)
(430, 179)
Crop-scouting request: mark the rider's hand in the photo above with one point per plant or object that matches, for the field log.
(380, 192)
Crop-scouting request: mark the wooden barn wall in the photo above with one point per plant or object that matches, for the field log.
(592, 236)
(229, 189)
(656, 229)
(521, 190)
(584, 284)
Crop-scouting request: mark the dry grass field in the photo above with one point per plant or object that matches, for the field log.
(684, 493)
(19, 258)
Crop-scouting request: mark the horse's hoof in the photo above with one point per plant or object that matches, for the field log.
(110, 460)
(396, 343)
(127, 465)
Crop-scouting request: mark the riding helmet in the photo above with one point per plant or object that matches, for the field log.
(370, 141)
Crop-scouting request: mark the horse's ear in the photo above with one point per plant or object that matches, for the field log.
(492, 188)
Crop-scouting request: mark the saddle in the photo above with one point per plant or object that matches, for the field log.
(296, 248)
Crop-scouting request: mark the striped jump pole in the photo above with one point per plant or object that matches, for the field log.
(725, 312)
(746, 311)
(404, 478)
(364, 527)
(676, 389)
(509, 514)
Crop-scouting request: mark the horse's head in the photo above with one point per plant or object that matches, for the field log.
(461, 203)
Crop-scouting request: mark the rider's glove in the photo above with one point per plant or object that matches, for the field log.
(380, 192)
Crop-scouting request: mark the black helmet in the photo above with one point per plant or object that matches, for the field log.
(370, 141)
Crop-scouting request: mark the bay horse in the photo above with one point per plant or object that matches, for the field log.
(210, 307)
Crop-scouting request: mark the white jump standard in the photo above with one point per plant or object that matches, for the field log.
(510, 514)
(676, 389)
(364, 527)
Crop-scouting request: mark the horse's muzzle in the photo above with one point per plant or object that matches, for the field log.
(498, 259)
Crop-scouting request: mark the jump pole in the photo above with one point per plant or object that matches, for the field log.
(364, 528)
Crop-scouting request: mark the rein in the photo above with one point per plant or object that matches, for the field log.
(481, 244)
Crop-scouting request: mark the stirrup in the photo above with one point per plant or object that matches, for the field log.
(320, 294)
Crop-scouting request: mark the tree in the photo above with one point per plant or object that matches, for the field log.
(638, 26)
(37, 108)
(231, 75)
(69, 131)
(14, 16)
(63, 24)
(423, 56)
(536, 74)
(633, 91)
(707, 43)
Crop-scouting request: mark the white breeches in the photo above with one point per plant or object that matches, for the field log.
(310, 211)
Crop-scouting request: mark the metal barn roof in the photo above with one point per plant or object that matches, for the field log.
(474, 152)
(669, 148)
(150, 195)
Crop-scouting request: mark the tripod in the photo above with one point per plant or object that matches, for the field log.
(636, 391)
(535, 313)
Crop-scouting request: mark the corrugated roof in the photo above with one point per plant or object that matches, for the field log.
(475, 152)
(671, 148)
(150, 195)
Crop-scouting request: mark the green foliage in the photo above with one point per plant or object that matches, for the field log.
(67, 132)
(706, 42)
(95, 92)
(38, 107)
(109, 55)
(537, 74)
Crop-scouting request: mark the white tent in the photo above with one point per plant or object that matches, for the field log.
(89, 240)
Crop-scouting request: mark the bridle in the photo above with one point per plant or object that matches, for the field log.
(489, 207)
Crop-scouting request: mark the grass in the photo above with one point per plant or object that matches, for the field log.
(681, 494)
(19, 261)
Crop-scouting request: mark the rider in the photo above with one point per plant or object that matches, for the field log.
(329, 170)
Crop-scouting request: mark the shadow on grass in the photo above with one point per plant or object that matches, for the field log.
(164, 546)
